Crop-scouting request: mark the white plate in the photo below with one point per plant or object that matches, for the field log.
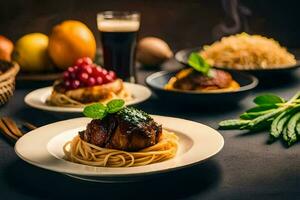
(37, 98)
(43, 147)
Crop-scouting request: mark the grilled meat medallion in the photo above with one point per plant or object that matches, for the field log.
(190, 79)
(129, 130)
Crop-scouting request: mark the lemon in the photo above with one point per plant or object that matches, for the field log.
(31, 52)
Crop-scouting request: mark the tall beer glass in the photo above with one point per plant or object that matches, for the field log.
(118, 33)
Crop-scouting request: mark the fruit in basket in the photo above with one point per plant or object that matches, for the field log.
(31, 52)
(6, 48)
(70, 41)
(153, 51)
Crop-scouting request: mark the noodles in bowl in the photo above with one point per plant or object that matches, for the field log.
(247, 52)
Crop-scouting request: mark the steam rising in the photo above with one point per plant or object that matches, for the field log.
(235, 19)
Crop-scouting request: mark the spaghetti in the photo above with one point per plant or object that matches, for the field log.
(60, 99)
(82, 152)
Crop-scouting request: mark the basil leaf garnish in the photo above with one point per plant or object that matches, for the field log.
(99, 111)
(115, 105)
(199, 64)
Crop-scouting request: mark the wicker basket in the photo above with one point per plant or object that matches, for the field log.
(7, 83)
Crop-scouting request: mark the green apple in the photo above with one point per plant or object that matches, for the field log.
(31, 52)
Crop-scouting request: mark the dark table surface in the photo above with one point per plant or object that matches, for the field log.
(246, 168)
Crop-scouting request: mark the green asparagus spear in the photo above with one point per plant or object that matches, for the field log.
(257, 121)
(283, 118)
(296, 96)
(284, 135)
(291, 128)
(233, 123)
(253, 115)
(298, 128)
(278, 124)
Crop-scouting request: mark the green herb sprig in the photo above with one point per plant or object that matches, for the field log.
(199, 64)
(99, 110)
(273, 113)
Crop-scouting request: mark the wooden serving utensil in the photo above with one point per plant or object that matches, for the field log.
(9, 128)
(12, 126)
(6, 132)
(29, 126)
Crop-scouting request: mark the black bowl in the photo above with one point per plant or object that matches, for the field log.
(263, 74)
(158, 80)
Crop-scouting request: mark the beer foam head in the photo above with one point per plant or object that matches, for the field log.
(116, 25)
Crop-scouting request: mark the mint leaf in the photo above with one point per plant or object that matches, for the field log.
(95, 111)
(268, 99)
(99, 111)
(115, 105)
(198, 63)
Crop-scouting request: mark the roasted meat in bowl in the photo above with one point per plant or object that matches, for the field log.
(189, 79)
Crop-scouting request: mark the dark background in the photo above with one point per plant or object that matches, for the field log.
(182, 23)
(247, 168)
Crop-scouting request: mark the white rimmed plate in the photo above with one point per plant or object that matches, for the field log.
(43, 147)
(37, 98)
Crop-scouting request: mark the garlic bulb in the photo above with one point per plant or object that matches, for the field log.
(153, 51)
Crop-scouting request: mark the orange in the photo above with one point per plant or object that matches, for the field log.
(69, 41)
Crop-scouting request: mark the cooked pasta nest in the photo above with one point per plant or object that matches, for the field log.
(78, 97)
(79, 151)
(60, 99)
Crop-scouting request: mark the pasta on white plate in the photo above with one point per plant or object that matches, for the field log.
(120, 136)
(85, 83)
(60, 99)
(79, 151)
(84, 96)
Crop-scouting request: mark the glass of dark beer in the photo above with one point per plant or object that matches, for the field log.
(118, 33)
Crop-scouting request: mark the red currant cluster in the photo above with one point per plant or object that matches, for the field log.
(86, 74)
